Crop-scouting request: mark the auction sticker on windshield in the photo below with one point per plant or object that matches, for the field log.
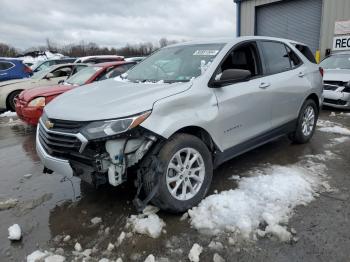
(206, 52)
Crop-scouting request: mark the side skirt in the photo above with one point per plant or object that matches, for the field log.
(221, 157)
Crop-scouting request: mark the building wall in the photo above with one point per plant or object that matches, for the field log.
(333, 10)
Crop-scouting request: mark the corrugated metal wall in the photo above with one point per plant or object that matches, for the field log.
(332, 10)
(299, 20)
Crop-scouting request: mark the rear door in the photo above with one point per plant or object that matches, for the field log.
(285, 76)
(5, 70)
(244, 107)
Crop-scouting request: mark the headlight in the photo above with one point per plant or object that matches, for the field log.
(100, 129)
(37, 102)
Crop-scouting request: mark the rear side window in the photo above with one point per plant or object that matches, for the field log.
(6, 65)
(306, 52)
(294, 58)
(276, 57)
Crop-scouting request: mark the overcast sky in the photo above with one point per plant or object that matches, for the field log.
(27, 23)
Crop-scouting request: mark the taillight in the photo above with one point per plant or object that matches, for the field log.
(321, 71)
(27, 69)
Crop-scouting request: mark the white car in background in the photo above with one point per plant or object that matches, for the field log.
(99, 59)
(336, 80)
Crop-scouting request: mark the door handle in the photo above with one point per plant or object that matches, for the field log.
(301, 74)
(264, 85)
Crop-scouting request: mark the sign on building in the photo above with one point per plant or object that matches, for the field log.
(341, 43)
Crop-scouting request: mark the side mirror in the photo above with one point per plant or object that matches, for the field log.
(61, 82)
(231, 76)
(49, 76)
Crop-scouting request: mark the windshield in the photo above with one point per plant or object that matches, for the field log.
(41, 74)
(175, 64)
(83, 75)
(336, 62)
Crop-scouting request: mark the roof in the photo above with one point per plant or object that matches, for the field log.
(233, 40)
(108, 64)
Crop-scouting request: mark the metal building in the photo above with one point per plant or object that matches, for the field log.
(308, 21)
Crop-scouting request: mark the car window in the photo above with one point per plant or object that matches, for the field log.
(275, 57)
(243, 57)
(294, 58)
(306, 52)
(114, 72)
(62, 72)
(43, 66)
(4, 65)
(336, 62)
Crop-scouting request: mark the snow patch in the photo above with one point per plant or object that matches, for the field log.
(15, 232)
(55, 258)
(36, 256)
(121, 238)
(150, 258)
(340, 140)
(8, 114)
(195, 252)
(7, 204)
(147, 223)
(96, 220)
(267, 198)
(336, 130)
(218, 258)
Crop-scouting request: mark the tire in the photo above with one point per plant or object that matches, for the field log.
(155, 175)
(11, 105)
(302, 135)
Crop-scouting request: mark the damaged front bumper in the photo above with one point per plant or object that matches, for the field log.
(104, 160)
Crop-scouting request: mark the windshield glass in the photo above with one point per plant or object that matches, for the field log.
(41, 74)
(175, 64)
(83, 75)
(336, 62)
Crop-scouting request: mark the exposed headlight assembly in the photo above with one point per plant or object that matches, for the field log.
(105, 128)
(37, 102)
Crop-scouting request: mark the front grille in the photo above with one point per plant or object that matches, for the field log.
(330, 87)
(335, 102)
(66, 126)
(335, 83)
(58, 144)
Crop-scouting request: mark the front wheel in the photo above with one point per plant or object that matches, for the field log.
(181, 172)
(11, 100)
(306, 123)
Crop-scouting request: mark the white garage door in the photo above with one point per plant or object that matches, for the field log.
(298, 20)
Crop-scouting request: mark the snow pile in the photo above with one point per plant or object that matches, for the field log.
(46, 55)
(340, 140)
(15, 232)
(150, 258)
(45, 256)
(261, 204)
(331, 127)
(96, 220)
(8, 114)
(147, 223)
(195, 252)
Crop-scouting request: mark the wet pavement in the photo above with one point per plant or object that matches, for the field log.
(50, 208)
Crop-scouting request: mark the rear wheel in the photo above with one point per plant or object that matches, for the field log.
(306, 123)
(11, 104)
(181, 172)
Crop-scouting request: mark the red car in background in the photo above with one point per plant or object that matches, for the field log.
(30, 102)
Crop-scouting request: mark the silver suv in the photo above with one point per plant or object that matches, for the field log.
(179, 114)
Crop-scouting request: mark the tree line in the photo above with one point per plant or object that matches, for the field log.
(87, 49)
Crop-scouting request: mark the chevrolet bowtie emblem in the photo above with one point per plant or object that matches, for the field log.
(49, 124)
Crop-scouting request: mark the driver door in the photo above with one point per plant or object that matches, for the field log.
(244, 107)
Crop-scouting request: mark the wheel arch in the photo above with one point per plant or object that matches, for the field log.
(315, 98)
(8, 107)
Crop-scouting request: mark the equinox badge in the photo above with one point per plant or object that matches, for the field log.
(49, 124)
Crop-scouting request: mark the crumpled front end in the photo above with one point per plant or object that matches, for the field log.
(65, 150)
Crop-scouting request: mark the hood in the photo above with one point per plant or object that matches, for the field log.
(110, 99)
(14, 81)
(46, 91)
(336, 75)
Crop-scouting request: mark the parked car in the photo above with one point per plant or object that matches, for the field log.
(179, 114)
(9, 90)
(336, 80)
(46, 64)
(30, 103)
(13, 69)
(99, 59)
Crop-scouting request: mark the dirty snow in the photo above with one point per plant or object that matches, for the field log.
(121, 238)
(266, 198)
(78, 247)
(55, 258)
(218, 258)
(37, 255)
(8, 114)
(8, 203)
(195, 252)
(15, 232)
(147, 223)
(331, 127)
(340, 140)
(96, 220)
